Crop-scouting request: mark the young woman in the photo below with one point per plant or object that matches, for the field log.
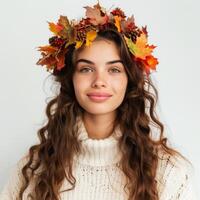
(98, 143)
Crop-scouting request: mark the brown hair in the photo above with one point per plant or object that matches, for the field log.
(58, 138)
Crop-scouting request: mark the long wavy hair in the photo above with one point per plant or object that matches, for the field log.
(136, 117)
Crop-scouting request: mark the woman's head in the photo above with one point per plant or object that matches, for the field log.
(105, 66)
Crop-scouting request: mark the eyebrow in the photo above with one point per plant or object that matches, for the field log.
(90, 62)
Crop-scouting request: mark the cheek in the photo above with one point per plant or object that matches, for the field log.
(120, 85)
(79, 84)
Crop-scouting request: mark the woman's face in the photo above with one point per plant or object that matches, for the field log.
(99, 70)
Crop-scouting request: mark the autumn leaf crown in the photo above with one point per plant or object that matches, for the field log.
(83, 32)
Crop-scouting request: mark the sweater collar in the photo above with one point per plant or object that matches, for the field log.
(98, 152)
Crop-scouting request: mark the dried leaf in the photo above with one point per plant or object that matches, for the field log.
(90, 36)
(140, 49)
(55, 28)
(129, 24)
(60, 57)
(151, 61)
(68, 30)
(118, 22)
(47, 60)
(48, 49)
(94, 14)
(63, 21)
(78, 44)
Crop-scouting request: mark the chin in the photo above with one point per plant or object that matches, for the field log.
(93, 112)
(98, 111)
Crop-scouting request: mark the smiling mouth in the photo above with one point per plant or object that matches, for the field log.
(98, 98)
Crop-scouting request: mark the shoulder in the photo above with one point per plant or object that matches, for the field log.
(168, 164)
(174, 177)
(15, 180)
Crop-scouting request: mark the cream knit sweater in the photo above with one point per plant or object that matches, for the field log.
(98, 176)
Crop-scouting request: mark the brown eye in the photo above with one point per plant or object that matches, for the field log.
(115, 70)
(85, 69)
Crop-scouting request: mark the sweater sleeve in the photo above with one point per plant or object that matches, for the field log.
(178, 180)
(12, 187)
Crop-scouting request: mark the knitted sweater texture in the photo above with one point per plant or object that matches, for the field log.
(98, 176)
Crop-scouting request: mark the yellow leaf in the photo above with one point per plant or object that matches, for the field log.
(78, 44)
(117, 22)
(90, 36)
(140, 49)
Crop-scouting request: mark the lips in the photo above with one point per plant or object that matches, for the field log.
(99, 94)
(98, 97)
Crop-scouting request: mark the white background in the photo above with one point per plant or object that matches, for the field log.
(173, 25)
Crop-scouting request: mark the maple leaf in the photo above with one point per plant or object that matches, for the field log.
(78, 44)
(94, 15)
(63, 21)
(68, 30)
(129, 24)
(140, 48)
(60, 57)
(150, 64)
(55, 28)
(53, 60)
(71, 36)
(47, 60)
(48, 49)
(151, 61)
(118, 22)
(90, 36)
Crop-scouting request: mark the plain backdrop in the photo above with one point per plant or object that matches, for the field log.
(173, 25)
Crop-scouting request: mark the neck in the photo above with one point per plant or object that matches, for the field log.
(99, 126)
(97, 152)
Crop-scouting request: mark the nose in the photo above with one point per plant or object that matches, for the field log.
(99, 80)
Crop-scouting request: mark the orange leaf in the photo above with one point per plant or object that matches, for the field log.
(48, 60)
(55, 28)
(151, 62)
(48, 49)
(61, 62)
(117, 22)
(60, 59)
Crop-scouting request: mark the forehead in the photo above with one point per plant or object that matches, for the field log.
(99, 51)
